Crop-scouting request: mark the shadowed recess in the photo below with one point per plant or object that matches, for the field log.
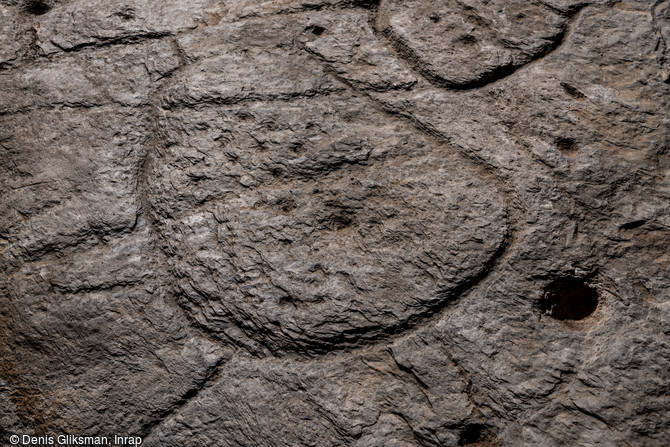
(477, 435)
(316, 29)
(37, 7)
(569, 299)
(633, 225)
(366, 3)
(567, 146)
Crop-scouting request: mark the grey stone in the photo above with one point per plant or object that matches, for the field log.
(336, 222)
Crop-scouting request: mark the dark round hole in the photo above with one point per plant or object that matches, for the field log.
(317, 30)
(36, 7)
(569, 299)
(434, 18)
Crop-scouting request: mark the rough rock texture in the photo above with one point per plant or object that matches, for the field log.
(336, 222)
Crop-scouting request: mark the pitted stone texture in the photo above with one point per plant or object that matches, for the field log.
(123, 75)
(85, 327)
(68, 178)
(307, 227)
(79, 23)
(362, 400)
(260, 102)
(464, 44)
(106, 348)
(347, 43)
(14, 36)
(285, 214)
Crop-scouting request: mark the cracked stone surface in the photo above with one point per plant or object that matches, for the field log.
(336, 222)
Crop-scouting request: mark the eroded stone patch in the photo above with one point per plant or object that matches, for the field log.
(464, 44)
(286, 214)
(305, 226)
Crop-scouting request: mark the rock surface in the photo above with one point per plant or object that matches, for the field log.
(336, 222)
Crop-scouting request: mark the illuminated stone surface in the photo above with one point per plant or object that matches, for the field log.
(335, 222)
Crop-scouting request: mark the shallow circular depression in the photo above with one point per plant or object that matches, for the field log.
(313, 222)
(318, 232)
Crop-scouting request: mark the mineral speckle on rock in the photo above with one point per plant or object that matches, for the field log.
(336, 222)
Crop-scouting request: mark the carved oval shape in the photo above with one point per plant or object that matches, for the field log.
(311, 220)
(469, 43)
